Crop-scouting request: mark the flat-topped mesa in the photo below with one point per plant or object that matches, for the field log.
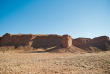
(67, 41)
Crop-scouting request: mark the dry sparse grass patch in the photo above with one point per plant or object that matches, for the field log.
(51, 63)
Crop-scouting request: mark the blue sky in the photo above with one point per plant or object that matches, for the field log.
(78, 18)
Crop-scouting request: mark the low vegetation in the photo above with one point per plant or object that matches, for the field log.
(95, 49)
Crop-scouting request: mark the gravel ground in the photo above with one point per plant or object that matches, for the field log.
(54, 63)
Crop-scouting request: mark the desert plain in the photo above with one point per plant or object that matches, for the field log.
(33, 62)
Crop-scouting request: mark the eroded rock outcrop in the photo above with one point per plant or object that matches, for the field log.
(47, 41)
(15, 40)
(30, 41)
(101, 43)
(67, 41)
(0, 39)
(79, 42)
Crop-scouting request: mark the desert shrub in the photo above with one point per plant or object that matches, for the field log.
(96, 49)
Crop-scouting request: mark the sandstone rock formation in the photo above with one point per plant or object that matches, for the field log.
(64, 43)
(0, 39)
(67, 41)
(47, 41)
(79, 42)
(102, 43)
(15, 40)
(29, 40)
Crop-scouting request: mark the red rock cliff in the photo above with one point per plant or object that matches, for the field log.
(80, 41)
(35, 41)
(15, 40)
(0, 40)
(47, 41)
(29, 41)
(67, 41)
(102, 43)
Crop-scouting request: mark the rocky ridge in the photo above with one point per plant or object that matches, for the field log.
(60, 43)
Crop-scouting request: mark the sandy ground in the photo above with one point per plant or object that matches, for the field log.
(54, 63)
